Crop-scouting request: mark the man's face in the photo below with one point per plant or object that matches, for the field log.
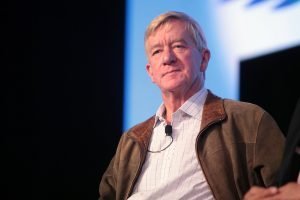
(174, 61)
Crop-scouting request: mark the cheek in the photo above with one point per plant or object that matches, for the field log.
(196, 63)
(155, 75)
(190, 63)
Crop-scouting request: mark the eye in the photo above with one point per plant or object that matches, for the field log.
(179, 47)
(156, 51)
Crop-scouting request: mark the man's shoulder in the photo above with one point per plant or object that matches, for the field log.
(237, 104)
(232, 105)
(142, 127)
(244, 110)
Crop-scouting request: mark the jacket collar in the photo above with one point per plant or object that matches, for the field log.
(213, 112)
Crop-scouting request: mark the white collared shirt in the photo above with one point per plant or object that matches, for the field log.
(175, 173)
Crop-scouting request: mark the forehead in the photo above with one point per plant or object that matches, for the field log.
(172, 25)
(173, 30)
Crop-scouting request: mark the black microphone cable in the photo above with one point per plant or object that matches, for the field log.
(168, 131)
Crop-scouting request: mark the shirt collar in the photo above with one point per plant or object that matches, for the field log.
(192, 106)
(159, 114)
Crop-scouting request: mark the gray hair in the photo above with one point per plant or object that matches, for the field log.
(191, 26)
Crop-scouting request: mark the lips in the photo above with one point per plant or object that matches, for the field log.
(170, 72)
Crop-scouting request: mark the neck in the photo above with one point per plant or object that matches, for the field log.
(173, 101)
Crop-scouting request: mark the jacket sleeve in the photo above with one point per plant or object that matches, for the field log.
(269, 150)
(108, 184)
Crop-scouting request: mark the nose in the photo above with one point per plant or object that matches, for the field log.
(169, 57)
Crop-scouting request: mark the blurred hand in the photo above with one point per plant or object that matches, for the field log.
(290, 191)
(260, 193)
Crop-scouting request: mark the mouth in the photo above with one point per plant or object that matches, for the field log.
(171, 72)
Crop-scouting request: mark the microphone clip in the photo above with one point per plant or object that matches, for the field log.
(168, 130)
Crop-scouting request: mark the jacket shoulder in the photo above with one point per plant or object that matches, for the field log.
(242, 106)
(142, 131)
(141, 127)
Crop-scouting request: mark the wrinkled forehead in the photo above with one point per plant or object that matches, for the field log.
(178, 26)
(166, 25)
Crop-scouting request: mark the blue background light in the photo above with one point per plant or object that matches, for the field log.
(234, 31)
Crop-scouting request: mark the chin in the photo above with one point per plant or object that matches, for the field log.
(172, 88)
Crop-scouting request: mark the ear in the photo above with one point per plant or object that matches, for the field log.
(205, 59)
(149, 71)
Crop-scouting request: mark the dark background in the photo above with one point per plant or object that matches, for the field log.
(272, 81)
(62, 112)
(62, 78)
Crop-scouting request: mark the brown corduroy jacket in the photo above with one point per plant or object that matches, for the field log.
(239, 145)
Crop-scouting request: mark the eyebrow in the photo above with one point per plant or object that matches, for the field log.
(157, 45)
